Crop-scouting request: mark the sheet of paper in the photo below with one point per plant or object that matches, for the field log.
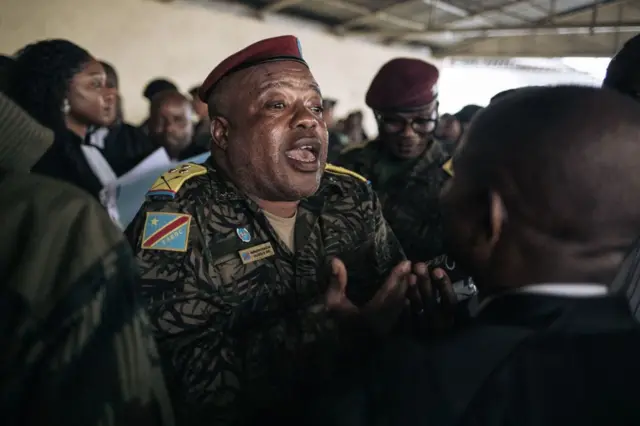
(130, 194)
(157, 160)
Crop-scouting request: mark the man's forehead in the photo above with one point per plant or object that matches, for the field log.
(174, 102)
(279, 74)
(425, 110)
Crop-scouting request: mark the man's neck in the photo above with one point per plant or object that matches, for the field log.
(284, 209)
(278, 208)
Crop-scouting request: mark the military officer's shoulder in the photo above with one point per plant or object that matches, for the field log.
(70, 220)
(448, 167)
(174, 183)
(354, 148)
(445, 156)
(347, 179)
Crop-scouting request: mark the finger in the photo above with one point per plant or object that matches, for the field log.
(413, 294)
(448, 297)
(394, 287)
(336, 290)
(424, 284)
(397, 279)
(338, 279)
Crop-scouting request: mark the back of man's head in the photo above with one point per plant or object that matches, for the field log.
(156, 86)
(5, 63)
(622, 72)
(559, 177)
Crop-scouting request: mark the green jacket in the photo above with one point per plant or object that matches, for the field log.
(74, 346)
(237, 314)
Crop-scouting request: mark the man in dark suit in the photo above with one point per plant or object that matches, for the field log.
(532, 214)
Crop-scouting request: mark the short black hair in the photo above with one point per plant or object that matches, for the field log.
(553, 162)
(156, 86)
(466, 114)
(194, 92)
(501, 95)
(39, 78)
(110, 71)
(6, 62)
(623, 69)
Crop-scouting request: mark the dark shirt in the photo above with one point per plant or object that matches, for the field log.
(125, 146)
(66, 161)
(529, 360)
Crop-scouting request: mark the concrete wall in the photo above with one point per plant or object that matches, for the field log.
(185, 40)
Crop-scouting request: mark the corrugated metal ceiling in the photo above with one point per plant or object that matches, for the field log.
(497, 28)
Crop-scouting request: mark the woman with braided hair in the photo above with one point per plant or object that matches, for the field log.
(63, 87)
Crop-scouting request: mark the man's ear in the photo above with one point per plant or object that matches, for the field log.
(497, 217)
(219, 132)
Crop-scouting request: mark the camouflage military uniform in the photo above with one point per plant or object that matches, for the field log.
(75, 346)
(238, 315)
(409, 194)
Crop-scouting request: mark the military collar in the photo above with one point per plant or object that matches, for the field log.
(226, 190)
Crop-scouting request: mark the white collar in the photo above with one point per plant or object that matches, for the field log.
(575, 290)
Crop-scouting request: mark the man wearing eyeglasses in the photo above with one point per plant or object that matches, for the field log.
(406, 165)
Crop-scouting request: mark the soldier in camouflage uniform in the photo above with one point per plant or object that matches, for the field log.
(75, 348)
(234, 253)
(406, 166)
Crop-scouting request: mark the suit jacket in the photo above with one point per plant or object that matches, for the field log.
(526, 360)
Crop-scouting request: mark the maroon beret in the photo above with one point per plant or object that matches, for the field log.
(283, 48)
(403, 83)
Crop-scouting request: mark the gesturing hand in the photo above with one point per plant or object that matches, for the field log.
(432, 297)
(382, 311)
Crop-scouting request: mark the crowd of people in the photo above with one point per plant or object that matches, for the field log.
(477, 268)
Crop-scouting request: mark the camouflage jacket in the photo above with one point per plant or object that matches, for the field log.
(76, 348)
(409, 198)
(238, 316)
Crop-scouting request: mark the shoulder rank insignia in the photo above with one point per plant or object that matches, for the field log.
(353, 147)
(345, 172)
(166, 231)
(170, 182)
(448, 167)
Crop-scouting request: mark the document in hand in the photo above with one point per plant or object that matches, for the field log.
(130, 191)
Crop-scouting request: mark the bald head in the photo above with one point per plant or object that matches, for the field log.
(167, 96)
(558, 179)
(563, 149)
(170, 121)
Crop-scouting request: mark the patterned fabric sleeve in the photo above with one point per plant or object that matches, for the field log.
(76, 347)
(387, 249)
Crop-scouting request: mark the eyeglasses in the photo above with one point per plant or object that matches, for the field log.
(397, 124)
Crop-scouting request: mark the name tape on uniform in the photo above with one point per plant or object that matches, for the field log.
(255, 253)
(166, 231)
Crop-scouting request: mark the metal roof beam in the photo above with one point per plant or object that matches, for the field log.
(551, 19)
(529, 30)
(278, 5)
(384, 14)
(380, 15)
(467, 18)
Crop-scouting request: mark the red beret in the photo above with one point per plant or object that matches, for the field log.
(403, 83)
(283, 48)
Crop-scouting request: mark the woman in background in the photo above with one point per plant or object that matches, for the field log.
(63, 87)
